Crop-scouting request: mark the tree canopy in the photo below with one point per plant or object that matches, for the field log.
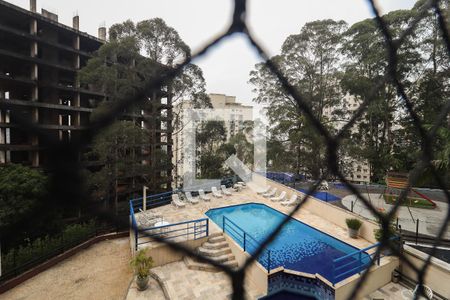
(329, 63)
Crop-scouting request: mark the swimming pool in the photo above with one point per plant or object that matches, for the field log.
(298, 247)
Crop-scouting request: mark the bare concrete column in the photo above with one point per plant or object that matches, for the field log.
(33, 5)
(102, 33)
(35, 159)
(76, 22)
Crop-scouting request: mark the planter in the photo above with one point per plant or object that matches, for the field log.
(353, 233)
(142, 283)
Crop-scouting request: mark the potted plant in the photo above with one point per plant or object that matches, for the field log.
(353, 227)
(141, 264)
(378, 233)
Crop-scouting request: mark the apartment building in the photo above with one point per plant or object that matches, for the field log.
(236, 113)
(39, 62)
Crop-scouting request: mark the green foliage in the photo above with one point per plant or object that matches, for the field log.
(141, 263)
(353, 223)
(48, 245)
(326, 62)
(118, 149)
(408, 201)
(22, 191)
(310, 60)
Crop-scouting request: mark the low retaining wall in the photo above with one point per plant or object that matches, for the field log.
(378, 277)
(255, 272)
(163, 254)
(437, 276)
(325, 210)
(55, 260)
(319, 287)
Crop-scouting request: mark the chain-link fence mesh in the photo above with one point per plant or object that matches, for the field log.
(65, 166)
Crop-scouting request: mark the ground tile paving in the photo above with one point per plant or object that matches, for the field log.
(183, 283)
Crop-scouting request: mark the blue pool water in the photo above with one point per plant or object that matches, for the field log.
(297, 247)
(324, 196)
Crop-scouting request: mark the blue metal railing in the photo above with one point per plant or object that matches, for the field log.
(246, 241)
(194, 229)
(355, 262)
(153, 200)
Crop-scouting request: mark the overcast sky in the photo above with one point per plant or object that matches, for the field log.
(226, 68)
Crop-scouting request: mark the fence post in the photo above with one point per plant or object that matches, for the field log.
(417, 230)
(207, 227)
(244, 240)
(360, 262)
(223, 224)
(135, 237)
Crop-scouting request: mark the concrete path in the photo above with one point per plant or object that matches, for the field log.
(430, 220)
(102, 271)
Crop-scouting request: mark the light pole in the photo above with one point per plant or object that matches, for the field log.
(144, 199)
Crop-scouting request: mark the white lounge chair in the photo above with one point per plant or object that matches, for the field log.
(225, 191)
(270, 193)
(263, 191)
(241, 183)
(203, 196)
(190, 199)
(177, 201)
(216, 193)
(278, 198)
(291, 201)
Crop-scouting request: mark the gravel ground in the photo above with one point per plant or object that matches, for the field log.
(100, 272)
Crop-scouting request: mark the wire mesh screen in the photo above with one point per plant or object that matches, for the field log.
(64, 162)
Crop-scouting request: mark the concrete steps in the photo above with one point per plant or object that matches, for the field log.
(216, 239)
(213, 252)
(216, 249)
(219, 245)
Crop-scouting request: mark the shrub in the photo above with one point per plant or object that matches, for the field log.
(141, 264)
(353, 223)
(46, 247)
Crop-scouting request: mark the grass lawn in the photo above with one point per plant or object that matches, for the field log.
(409, 201)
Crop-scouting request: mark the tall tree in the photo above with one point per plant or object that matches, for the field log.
(311, 62)
(135, 54)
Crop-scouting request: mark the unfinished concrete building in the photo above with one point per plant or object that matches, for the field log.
(39, 61)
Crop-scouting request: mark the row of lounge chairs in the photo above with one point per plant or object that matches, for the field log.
(271, 193)
(203, 196)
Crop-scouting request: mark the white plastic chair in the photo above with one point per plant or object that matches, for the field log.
(177, 201)
(203, 196)
(291, 201)
(263, 191)
(225, 191)
(270, 193)
(278, 198)
(216, 193)
(190, 199)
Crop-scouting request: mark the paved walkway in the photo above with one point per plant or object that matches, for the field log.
(182, 283)
(430, 220)
(102, 271)
(391, 291)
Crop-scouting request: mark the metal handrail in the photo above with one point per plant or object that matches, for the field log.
(361, 265)
(197, 232)
(246, 237)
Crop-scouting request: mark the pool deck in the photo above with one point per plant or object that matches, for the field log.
(172, 215)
